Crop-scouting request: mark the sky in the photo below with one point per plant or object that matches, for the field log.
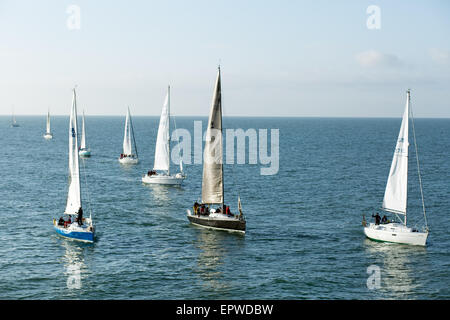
(278, 58)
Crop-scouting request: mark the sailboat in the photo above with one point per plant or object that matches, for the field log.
(48, 134)
(84, 151)
(212, 183)
(162, 152)
(73, 225)
(396, 194)
(127, 157)
(14, 123)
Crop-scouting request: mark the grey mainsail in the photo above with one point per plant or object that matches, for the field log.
(212, 183)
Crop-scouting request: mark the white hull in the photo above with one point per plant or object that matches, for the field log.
(163, 179)
(397, 233)
(129, 160)
(48, 136)
(85, 153)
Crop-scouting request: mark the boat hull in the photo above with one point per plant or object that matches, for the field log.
(395, 233)
(84, 153)
(75, 233)
(129, 160)
(48, 136)
(218, 222)
(163, 179)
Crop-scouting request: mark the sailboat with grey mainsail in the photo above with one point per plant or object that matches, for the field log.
(396, 194)
(204, 214)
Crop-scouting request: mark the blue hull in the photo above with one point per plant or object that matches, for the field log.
(79, 236)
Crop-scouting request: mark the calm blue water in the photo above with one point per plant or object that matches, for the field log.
(304, 239)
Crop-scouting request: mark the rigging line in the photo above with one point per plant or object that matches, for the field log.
(418, 166)
(87, 189)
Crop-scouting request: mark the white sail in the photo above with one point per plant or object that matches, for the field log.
(83, 135)
(74, 193)
(395, 196)
(212, 183)
(162, 150)
(48, 122)
(127, 135)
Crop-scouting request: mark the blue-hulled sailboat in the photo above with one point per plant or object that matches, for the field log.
(73, 225)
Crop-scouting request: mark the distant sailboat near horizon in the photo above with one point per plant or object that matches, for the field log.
(212, 182)
(84, 151)
(162, 153)
(73, 225)
(48, 135)
(128, 157)
(395, 196)
(14, 123)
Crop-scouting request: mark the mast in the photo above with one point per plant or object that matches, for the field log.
(48, 121)
(168, 126)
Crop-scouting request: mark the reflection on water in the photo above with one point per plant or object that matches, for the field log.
(74, 265)
(399, 273)
(215, 247)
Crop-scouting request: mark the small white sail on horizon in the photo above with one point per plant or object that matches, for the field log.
(48, 134)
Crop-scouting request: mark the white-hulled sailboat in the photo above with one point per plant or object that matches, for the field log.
(84, 151)
(161, 167)
(73, 225)
(128, 157)
(396, 194)
(48, 135)
(212, 184)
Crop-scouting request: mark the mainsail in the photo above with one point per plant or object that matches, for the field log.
(83, 135)
(127, 135)
(395, 196)
(162, 150)
(74, 193)
(212, 183)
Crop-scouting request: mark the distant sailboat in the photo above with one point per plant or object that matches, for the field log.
(84, 151)
(395, 196)
(14, 123)
(162, 153)
(48, 134)
(128, 157)
(212, 183)
(74, 225)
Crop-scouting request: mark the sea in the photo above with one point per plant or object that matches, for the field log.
(304, 236)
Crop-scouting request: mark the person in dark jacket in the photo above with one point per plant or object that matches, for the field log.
(377, 218)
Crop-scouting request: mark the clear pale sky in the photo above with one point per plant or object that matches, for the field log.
(278, 58)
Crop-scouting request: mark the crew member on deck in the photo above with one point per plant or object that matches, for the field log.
(80, 216)
(377, 218)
